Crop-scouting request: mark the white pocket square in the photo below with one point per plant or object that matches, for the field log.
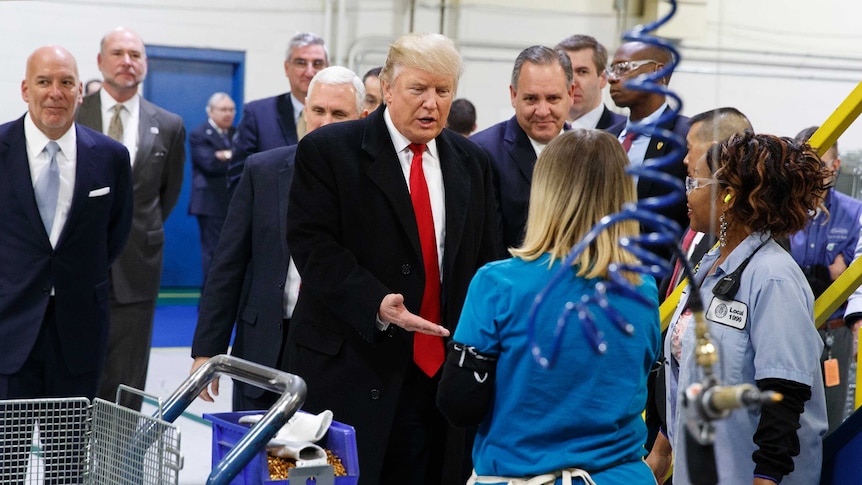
(100, 192)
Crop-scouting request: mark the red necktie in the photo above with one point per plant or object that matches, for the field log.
(629, 138)
(428, 350)
(677, 268)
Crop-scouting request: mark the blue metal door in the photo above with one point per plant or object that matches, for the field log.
(181, 80)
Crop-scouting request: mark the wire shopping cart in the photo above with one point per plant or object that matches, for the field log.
(73, 441)
(57, 441)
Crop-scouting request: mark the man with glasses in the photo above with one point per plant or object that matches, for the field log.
(277, 121)
(212, 150)
(631, 60)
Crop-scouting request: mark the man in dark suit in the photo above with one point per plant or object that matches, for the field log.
(541, 90)
(631, 60)
(589, 59)
(211, 152)
(380, 208)
(277, 121)
(53, 307)
(254, 282)
(156, 142)
(65, 214)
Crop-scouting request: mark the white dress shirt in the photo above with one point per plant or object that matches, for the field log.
(638, 150)
(291, 290)
(67, 158)
(433, 177)
(297, 108)
(130, 117)
(590, 119)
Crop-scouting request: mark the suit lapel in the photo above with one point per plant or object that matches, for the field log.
(84, 167)
(284, 107)
(520, 149)
(216, 138)
(385, 171)
(90, 112)
(655, 149)
(285, 175)
(456, 183)
(658, 147)
(148, 128)
(17, 168)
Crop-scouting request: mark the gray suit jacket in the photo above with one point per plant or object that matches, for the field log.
(157, 173)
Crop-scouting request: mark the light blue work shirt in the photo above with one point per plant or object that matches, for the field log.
(766, 331)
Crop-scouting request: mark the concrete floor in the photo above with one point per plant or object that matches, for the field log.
(169, 367)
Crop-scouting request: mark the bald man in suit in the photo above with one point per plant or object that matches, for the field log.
(65, 214)
(156, 141)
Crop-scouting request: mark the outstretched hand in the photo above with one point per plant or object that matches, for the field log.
(392, 310)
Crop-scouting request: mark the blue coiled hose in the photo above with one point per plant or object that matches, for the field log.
(658, 230)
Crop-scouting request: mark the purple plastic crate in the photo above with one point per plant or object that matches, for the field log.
(340, 439)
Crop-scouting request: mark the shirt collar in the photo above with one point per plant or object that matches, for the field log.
(215, 127)
(400, 142)
(538, 146)
(108, 102)
(649, 119)
(297, 106)
(36, 140)
(589, 119)
(744, 250)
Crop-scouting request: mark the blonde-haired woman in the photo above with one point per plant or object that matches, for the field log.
(579, 417)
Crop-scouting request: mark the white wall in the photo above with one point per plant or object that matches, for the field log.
(728, 46)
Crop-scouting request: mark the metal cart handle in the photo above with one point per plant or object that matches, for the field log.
(292, 389)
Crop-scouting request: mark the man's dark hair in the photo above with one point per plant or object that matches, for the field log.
(462, 117)
(804, 135)
(373, 72)
(543, 56)
(577, 42)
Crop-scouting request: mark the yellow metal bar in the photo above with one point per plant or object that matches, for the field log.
(838, 292)
(822, 139)
(838, 121)
(665, 311)
(858, 373)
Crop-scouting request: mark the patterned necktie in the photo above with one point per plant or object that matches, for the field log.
(428, 350)
(300, 125)
(629, 138)
(115, 129)
(47, 187)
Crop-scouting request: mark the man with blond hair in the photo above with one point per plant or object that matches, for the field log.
(389, 218)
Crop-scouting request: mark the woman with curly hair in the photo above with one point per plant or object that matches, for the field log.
(749, 191)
